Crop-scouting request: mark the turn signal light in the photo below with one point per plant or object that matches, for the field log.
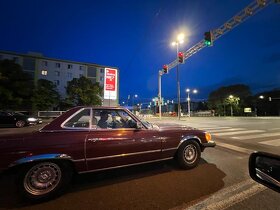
(208, 136)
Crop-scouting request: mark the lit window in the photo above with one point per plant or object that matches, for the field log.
(57, 73)
(70, 66)
(57, 65)
(44, 72)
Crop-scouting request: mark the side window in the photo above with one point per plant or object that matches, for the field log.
(112, 119)
(79, 120)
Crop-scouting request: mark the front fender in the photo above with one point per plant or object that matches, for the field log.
(188, 138)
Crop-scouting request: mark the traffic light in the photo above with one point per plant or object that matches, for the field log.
(208, 38)
(165, 69)
(181, 57)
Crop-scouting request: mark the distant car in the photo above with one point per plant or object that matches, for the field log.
(265, 169)
(86, 139)
(17, 119)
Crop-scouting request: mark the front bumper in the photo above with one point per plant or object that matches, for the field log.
(209, 144)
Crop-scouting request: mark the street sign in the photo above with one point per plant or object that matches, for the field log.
(110, 83)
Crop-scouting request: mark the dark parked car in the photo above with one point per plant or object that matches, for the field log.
(86, 139)
(17, 119)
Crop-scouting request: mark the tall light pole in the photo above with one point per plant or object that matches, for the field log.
(189, 100)
(180, 40)
(133, 97)
(231, 110)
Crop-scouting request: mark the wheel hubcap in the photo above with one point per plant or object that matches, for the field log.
(190, 154)
(42, 178)
(20, 124)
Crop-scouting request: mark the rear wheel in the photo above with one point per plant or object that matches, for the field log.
(44, 180)
(20, 123)
(189, 154)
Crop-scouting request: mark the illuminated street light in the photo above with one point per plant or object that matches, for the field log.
(189, 99)
(261, 97)
(133, 97)
(180, 40)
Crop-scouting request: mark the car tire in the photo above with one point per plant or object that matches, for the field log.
(20, 123)
(189, 154)
(44, 180)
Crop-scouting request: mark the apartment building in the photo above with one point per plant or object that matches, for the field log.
(61, 71)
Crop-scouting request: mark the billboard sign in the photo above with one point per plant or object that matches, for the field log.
(110, 83)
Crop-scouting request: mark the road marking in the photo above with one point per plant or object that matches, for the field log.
(275, 142)
(233, 194)
(214, 128)
(235, 148)
(239, 132)
(227, 130)
(273, 129)
(257, 136)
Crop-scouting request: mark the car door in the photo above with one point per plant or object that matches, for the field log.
(121, 145)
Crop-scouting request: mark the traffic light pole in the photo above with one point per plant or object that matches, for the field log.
(178, 87)
(239, 18)
(159, 93)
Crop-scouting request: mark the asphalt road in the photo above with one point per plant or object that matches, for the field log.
(221, 180)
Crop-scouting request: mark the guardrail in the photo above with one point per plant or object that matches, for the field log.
(50, 114)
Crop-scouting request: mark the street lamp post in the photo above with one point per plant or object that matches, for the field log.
(231, 110)
(180, 40)
(189, 100)
(133, 97)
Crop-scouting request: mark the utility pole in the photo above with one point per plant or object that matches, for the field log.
(159, 93)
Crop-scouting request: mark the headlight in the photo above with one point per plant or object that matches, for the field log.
(208, 136)
(32, 119)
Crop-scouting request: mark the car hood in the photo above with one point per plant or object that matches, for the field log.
(176, 128)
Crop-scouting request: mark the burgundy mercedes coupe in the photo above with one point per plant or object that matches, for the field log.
(86, 139)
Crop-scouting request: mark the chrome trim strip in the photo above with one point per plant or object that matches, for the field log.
(165, 150)
(133, 164)
(186, 138)
(39, 157)
(123, 155)
(79, 160)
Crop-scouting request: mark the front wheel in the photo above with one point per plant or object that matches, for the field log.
(189, 154)
(20, 123)
(44, 180)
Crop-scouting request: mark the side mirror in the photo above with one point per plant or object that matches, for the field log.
(265, 169)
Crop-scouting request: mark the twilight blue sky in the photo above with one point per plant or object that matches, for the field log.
(135, 36)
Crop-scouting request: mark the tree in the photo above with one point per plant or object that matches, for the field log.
(16, 86)
(81, 91)
(217, 99)
(45, 95)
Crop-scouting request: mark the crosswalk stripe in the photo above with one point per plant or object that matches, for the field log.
(275, 142)
(239, 132)
(256, 136)
(273, 129)
(214, 128)
(227, 130)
